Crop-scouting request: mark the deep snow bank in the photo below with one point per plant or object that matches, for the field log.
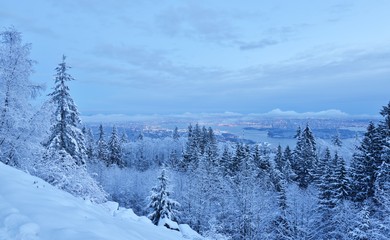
(31, 209)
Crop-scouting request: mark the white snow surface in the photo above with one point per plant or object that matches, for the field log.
(32, 209)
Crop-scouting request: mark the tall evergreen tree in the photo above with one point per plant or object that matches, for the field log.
(142, 163)
(256, 156)
(327, 199)
(362, 229)
(385, 124)
(382, 181)
(382, 199)
(280, 226)
(211, 147)
(176, 150)
(342, 183)
(243, 184)
(238, 158)
(174, 159)
(336, 140)
(288, 159)
(305, 158)
(124, 138)
(225, 160)
(89, 142)
(175, 134)
(64, 162)
(161, 204)
(65, 133)
(203, 139)
(102, 148)
(278, 159)
(261, 158)
(192, 152)
(322, 166)
(115, 150)
(365, 163)
(383, 174)
(208, 182)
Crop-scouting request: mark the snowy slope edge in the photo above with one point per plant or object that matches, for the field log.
(32, 209)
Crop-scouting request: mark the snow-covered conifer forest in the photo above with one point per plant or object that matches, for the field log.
(221, 189)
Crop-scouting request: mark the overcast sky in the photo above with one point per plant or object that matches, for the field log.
(252, 56)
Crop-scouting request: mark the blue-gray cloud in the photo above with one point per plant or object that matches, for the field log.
(195, 21)
(339, 11)
(274, 36)
(145, 68)
(259, 44)
(26, 24)
(357, 78)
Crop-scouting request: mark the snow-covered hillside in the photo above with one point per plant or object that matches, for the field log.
(31, 209)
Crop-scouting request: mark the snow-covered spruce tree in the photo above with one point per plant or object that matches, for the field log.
(142, 161)
(192, 151)
(124, 137)
(278, 159)
(239, 156)
(176, 150)
(162, 206)
(89, 142)
(175, 134)
(342, 184)
(327, 201)
(225, 160)
(101, 146)
(173, 159)
(16, 90)
(203, 138)
(322, 166)
(365, 163)
(382, 181)
(246, 193)
(288, 159)
(385, 125)
(115, 150)
(382, 200)
(280, 227)
(64, 162)
(305, 157)
(336, 140)
(332, 221)
(211, 147)
(208, 191)
(382, 184)
(65, 132)
(362, 229)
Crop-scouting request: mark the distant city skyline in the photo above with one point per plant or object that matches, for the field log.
(173, 57)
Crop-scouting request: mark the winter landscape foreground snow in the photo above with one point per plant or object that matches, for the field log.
(32, 209)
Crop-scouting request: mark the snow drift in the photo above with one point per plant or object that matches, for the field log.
(32, 209)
